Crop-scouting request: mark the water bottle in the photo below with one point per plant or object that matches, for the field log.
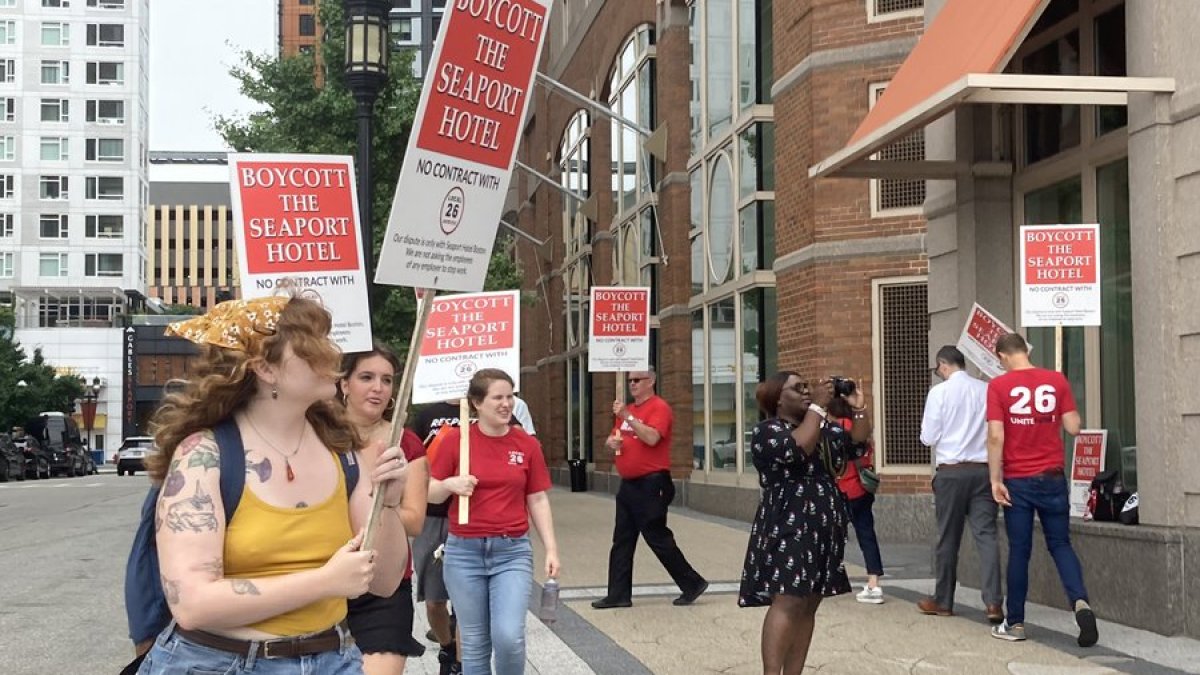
(549, 609)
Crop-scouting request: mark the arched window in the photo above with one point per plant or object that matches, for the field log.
(574, 155)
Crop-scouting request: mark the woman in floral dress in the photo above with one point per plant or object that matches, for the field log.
(794, 558)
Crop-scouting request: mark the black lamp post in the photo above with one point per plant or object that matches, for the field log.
(87, 407)
(366, 72)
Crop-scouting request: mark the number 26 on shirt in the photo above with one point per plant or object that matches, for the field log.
(1044, 400)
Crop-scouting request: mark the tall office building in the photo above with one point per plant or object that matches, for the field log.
(73, 189)
(299, 27)
(414, 27)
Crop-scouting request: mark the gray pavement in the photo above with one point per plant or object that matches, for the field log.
(63, 544)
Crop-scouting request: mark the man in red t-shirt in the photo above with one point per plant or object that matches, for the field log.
(1027, 409)
(641, 445)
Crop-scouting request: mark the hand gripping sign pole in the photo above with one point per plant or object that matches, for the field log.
(425, 306)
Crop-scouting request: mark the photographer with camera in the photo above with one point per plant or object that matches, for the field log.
(858, 483)
(797, 541)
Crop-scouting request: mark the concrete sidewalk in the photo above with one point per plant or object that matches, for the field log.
(715, 636)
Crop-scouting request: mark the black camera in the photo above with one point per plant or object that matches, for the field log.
(842, 386)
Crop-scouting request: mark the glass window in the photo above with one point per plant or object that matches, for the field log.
(718, 62)
(8, 186)
(766, 50)
(631, 96)
(106, 111)
(695, 10)
(8, 32)
(105, 150)
(8, 109)
(1059, 203)
(747, 57)
(56, 72)
(699, 372)
(55, 34)
(53, 226)
(748, 236)
(55, 110)
(106, 35)
(106, 4)
(8, 148)
(103, 265)
(52, 187)
(8, 70)
(52, 264)
(721, 215)
(722, 408)
(105, 72)
(104, 227)
(104, 187)
(55, 149)
(6, 265)
(1051, 129)
(755, 362)
(1117, 404)
(1110, 62)
(7, 226)
(308, 25)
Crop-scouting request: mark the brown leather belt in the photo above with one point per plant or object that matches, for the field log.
(960, 465)
(279, 648)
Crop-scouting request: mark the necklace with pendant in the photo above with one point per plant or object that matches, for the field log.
(287, 463)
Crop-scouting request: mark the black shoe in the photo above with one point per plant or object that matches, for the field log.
(689, 598)
(609, 603)
(447, 655)
(1086, 619)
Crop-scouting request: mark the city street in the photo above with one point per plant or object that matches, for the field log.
(64, 543)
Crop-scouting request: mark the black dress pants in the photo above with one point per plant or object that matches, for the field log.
(642, 509)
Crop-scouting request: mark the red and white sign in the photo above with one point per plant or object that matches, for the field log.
(296, 230)
(619, 340)
(1060, 275)
(1087, 462)
(465, 333)
(459, 160)
(978, 340)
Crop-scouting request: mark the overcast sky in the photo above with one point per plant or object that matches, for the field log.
(192, 45)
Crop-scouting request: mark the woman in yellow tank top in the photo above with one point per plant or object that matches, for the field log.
(267, 594)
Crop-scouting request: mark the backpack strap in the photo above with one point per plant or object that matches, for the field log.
(349, 462)
(233, 465)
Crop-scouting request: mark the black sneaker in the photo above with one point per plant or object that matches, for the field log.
(608, 603)
(455, 669)
(690, 597)
(1086, 619)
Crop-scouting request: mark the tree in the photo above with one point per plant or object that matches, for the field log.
(300, 114)
(44, 389)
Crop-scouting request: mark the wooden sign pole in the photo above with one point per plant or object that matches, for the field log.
(400, 413)
(464, 455)
(1058, 347)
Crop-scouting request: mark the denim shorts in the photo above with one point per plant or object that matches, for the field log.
(173, 654)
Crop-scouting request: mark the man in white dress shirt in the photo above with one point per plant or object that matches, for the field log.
(955, 426)
(520, 412)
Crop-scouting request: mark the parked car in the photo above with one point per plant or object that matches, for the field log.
(134, 450)
(12, 460)
(87, 466)
(60, 437)
(37, 459)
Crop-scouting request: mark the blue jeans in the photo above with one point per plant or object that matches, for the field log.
(864, 530)
(1047, 496)
(489, 579)
(172, 654)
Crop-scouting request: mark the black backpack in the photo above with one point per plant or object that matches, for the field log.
(145, 606)
(1110, 496)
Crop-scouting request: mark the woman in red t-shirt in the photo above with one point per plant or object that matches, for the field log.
(489, 559)
(861, 505)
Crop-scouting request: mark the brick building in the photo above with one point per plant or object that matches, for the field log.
(842, 181)
(754, 266)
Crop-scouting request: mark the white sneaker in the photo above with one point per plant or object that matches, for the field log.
(871, 596)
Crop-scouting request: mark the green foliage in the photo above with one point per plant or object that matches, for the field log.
(44, 390)
(301, 115)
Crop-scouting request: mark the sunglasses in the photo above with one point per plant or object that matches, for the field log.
(635, 380)
(800, 387)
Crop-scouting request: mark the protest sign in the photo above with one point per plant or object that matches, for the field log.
(456, 171)
(619, 339)
(1086, 463)
(296, 231)
(978, 340)
(465, 333)
(1060, 275)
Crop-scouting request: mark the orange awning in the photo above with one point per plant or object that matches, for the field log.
(958, 60)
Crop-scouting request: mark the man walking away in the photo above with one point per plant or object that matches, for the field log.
(641, 445)
(1026, 409)
(954, 426)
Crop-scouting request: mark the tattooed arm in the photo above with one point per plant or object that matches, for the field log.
(190, 528)
(381, 470)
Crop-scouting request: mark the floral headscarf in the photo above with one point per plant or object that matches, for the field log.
(233, 324)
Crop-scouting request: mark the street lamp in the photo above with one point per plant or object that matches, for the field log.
(87, 407)
(366, 73)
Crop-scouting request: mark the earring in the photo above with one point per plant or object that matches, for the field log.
(274, 393)
(345, 399)
(391, 404)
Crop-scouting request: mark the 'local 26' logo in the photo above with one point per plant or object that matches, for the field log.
(453, 206)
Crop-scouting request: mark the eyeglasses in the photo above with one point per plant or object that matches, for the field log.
(800, 387)
(635, 380)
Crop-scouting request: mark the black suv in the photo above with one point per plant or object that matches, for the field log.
(37, 458)
(12, 460)
(60, 437)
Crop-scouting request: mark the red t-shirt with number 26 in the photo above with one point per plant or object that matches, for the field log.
(1030, 402)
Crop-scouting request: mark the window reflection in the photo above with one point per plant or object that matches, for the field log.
(722, 408)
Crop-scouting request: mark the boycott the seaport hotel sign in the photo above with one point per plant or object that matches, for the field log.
(451, 191)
